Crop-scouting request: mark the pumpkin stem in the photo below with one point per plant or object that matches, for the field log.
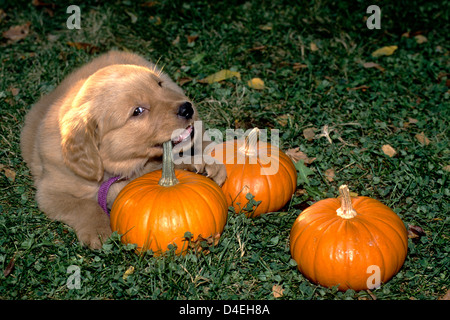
(346, 210)
(168, 177)
(249, 147)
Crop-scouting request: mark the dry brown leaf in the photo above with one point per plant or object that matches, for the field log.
(422, 138)
(295, 154)
(420, 39)
(388, 150)
(447, 168)
(192, 38)
(10, 267)
(11, 175)
(16, 33)
(283, 119)
(363, 88)
(330, 174)
(277, 291)
(313, 46)
(412, 120)
(309, 133)
(184, 80)
(415, 232)
(298, 66)
(89, 48)
(373, 65)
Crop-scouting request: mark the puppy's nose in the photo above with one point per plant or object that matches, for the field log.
(186, 111)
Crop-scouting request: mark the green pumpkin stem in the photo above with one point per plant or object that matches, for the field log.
(249, 147)
(168, 177)
(346, 210)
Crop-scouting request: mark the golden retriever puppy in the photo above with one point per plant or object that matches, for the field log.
(106, 119)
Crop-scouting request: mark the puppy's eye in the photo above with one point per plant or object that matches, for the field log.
(138, 111)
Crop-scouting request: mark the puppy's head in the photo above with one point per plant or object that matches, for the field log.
(119, 120)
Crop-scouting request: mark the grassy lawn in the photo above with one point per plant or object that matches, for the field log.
(315, 60)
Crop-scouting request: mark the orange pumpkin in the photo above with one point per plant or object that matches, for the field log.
(157, 209)
(355, 243)
(257, 168)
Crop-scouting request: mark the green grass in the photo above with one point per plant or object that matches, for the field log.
(265, 39)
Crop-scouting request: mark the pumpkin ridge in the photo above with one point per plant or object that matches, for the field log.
(398, 259)
(364, 224)
(206, 203)
(318, 249)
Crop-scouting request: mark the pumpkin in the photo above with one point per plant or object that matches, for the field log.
(354, 243)
(162, 207)
(257, 168)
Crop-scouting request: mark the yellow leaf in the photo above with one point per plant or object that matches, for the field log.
(388, 150)
(220, 76)
(129, 271)
(385, 51)
(256, 83)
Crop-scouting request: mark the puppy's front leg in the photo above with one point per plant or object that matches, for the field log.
(85, 216)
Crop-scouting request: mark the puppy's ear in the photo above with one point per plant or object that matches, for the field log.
(79, 143)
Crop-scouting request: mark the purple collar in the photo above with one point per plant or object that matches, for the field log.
(103, 193)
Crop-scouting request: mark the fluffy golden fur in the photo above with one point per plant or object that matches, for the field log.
(108, 118)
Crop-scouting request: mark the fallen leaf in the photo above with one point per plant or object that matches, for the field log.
(313, 46)
(11, 175)
(446, 168)
(422, 138)
(388, 150)
(192, 38)
(412, 120)
(309, 133)
(14, 91)
(298, 66)
(220, 76)
(256, 83)
(184, 80)
(133, 17)
(149, 4)
(373, 65)
(277, 291)
(363, 88)
(258, 48)
(128, 272)
(295, 154)
(267, 27)
(89, 48)
(385, 51)
(9, 268)
(415, 232)
(283, 119)
(420, 39)
(330, 174)
(17, 33)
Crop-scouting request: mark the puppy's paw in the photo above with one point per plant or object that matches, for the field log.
(215, 171)
(95, 234)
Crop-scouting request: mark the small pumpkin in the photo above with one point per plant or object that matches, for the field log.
(159, 208)
(257, 168)
(354, 243)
